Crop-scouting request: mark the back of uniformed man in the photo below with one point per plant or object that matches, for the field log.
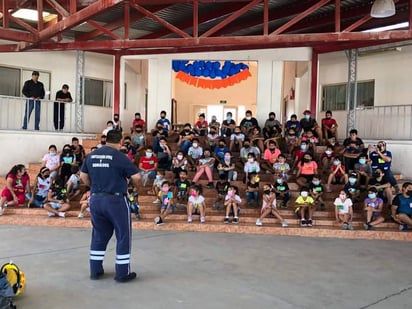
(106, 170)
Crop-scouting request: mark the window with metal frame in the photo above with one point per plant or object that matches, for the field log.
(98, 92)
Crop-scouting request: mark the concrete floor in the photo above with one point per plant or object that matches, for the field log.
(206, 270)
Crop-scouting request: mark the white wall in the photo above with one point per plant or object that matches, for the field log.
(391, 72)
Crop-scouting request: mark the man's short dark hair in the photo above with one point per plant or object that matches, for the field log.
(114, 137)
(75, 139)
(35, 73)
(65, 86)
(353, 131)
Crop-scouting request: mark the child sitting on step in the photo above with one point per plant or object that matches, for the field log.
(157, 184)
(269, 206)
(57, 203)
(373, 208)
(344, 210)
(181, 188)
(305, 205)
(167, 206)
(281, 188)
(73, 183)
(196, 204)
(316, 191)
(222, 187)
(84, 203)
(232, 204)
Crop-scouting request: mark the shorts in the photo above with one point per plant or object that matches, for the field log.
(7, 194)
(376, 214)
(307, 177)
(39, 200)
(171, 208)
(55, 205)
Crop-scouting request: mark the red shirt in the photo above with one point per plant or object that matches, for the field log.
(201, 124)
(333, 167)
(139, 122)
(148, 163)
(328, 122)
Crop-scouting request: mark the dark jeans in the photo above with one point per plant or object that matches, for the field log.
(27, 113)
(252, 196)
(58, 115)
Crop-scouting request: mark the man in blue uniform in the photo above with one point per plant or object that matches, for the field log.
(33, 90)
(106, 170)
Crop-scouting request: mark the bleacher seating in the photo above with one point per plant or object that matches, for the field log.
(324, 224)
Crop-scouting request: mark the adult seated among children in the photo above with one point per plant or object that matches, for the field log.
(138, 121)
(236, 139)
(228, 125)
(185, 138)
(308, 123)
(201, 126)
(293, 124)
(353, 147)
(329, 128)
(401, 207)
(382, 158)
(248, 123)
(380, 183)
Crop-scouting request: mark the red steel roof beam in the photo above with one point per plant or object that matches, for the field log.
(77, 18)
(231, 18)
(94, 24)
(15, 35)
(196, 19)
(59, 9)
(126, 19)
(265, 17)
(337, 15)
(73, 6)
(40, 24)
(5, 12)
(23, 24)
(290, 40)
(299, 17)
(159, 20)
(358, 23)
(410, 15)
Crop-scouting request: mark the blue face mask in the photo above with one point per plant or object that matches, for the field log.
(303, 146)
(362, 161)
(352, 180)
(228, 118)
(316, 183)
(279, 181)
(372, 195)
(307, 117)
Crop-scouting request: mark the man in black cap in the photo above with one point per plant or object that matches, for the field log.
(62, 95)
(34, 91)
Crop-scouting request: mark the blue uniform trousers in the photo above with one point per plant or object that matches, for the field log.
(110, 213)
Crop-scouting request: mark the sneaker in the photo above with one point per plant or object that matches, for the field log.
(235, 220)
(234, 176)
(202, 220)
(189, 219)
(345, 226)
(303, 223)
(403, 227)
(80, 215)
(259, 222)
(367, 226)
(309, 222)
(51, 214)
(61, 214)
(158, 220)
(137, 217)
(156, 201)
(284, 224)
(226, 220)
(127, 278)
(210, 185)
(350, 227)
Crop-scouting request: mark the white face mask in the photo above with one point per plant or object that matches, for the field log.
(179, 157)
(304, 193)
(149, 154)
(195, 145)
(52, 153)
(328, 152)
(227, 157)
(250, 160)
(248, 118)
(342, 196)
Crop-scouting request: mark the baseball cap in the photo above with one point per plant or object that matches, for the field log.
(307, 112)
(35, 73)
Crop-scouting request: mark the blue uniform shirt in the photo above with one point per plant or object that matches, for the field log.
(108, 170)
(404, 204)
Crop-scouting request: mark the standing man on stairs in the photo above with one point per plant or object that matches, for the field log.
(107, 170)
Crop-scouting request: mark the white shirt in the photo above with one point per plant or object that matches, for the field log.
(343, 207)
(51, 161)
(196, 201)
(75, 180)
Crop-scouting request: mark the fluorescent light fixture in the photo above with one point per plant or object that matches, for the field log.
(32, 15)
(383, 8)
(390, 27)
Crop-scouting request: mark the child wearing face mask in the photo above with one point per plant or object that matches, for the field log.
(326, 159)
(167, 206)
(364, 170)
(269, 207)
(281, 167)
(181, 188)
(52, 161)
(179, 163)
(305, 205)
(352, 187)
(205, 166)
(226, 167)
(251, 166)
(148, 165)
(252, 190)
(373, 208)
(194, 153)
(196, 204)
(292, 140)
(232, 204)
(213, 137)
(281, 188)
(157, 185)
(316, 191)
(337, 174)
(344, 210)
(306, 169)
(299, 153)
